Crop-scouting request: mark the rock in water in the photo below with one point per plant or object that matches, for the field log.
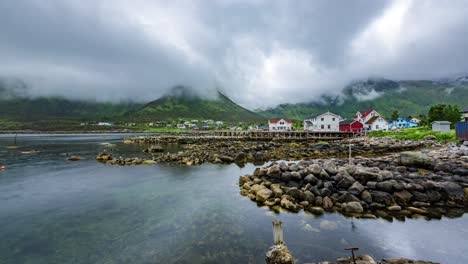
(361, 259)
(352, 207)
(404, 261)
(279, 254)
(263, 195)
(74, 158)
(104, 156)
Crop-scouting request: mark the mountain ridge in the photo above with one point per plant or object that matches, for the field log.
(410, 98)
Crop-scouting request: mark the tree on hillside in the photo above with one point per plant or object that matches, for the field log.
(395, 115)
(442, 112)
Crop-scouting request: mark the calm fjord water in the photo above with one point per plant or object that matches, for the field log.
(57, 211)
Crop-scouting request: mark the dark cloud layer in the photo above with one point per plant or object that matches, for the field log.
(260, 53)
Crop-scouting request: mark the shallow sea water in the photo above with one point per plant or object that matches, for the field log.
(56, 211)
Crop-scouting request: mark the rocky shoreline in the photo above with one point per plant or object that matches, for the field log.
(280, 254)
(428, 184)
(199, 150)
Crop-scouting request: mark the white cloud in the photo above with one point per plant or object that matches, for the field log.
(260, 53)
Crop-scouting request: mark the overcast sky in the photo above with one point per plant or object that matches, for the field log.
(259, 53)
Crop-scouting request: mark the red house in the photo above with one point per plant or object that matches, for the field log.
(351, 125)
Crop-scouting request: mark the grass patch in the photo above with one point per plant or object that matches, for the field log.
(415, 133)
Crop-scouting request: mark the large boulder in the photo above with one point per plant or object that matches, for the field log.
(402, 197)
(382, 197)
(415, 159)
(315, 169)
(311, 179)
(241, 157)
(244, 179)
(255, 188)
(225, 159)
(356, 188)
(327, 203)
(274, 171)
(347, 197)
(330, 167)
(346, 182)
(263, 195)
(279, 254)
(296, 176)
(277, 191)
(309, 197)
(74, 158)
(365, 174)
(104, 156)
(288, 204)
(352, 207)
(295, 193)
(450, 190)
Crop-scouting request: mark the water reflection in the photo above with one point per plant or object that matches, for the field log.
(56, 211)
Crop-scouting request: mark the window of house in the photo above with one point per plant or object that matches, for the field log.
(333, 119)
(321, 119)
(281, 123)
(322, 126)
(377, 126)
(329, 126)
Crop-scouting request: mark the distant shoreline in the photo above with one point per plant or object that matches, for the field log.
(73, 132)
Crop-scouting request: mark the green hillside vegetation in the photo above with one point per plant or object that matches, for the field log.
(410, 98)
(415, 133)
(52, 108)
(180, 104)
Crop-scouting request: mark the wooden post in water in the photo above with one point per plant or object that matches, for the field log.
(349, 153)
(277, 233)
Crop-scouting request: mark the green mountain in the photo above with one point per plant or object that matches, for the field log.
(182, 103)
(410, 98)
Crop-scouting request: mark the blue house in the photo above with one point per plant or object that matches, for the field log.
(401, 122)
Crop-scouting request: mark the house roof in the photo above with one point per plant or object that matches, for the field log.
(372, 120)
(366, 112)
(465, 110)
(441, 122)
(330, 113)
(348, 122)
(308, 122)
(276, 120)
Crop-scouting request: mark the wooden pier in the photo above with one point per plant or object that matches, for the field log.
(283, 135)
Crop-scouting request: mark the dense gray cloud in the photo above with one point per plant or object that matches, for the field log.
(258, 52)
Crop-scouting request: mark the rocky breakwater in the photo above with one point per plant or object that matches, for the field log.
(409, 184)
(198, 150)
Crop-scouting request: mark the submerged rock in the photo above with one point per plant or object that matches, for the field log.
(279, 254)
(104, 156)
(74, 158)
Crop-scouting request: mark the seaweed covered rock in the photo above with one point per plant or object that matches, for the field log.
(279, 254)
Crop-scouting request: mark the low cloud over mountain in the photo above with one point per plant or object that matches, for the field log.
(259, 53)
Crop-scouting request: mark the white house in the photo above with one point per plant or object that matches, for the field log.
(280, 124)
(415, 120)
(105, 124)
(371, 119)
(376, 123)
(323, 122)
(181, 126)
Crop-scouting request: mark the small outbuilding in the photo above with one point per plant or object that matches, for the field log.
(461, 131)
(441, 126)
(351, 126)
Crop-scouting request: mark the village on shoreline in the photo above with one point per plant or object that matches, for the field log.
(357, 175)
